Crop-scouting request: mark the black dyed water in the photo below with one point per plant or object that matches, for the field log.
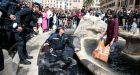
(118, 62)
(124, 64)
(48, 67)
(77, 69)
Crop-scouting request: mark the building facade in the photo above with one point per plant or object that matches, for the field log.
(118, 4)
(96, 4)
(64, 4)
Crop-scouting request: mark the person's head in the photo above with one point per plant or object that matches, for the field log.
(36, 7)
(134, 19)
(108, 11)
(60, 29)
(46, 8)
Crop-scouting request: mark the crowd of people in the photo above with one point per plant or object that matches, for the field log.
(128, 18)
(56, 17)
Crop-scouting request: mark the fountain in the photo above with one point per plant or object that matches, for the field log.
(46, 64)
(132, 47)
(86, 40)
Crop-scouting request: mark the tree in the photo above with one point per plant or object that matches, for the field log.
(88, 2)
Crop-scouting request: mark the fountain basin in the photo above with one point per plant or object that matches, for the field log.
(132, 46)
(121, 65)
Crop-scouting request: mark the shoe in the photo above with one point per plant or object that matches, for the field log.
(25, 62)
(29, 57)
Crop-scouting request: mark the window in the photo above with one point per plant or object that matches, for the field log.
(122, 4)
(74, 0)
(131, 2)
(96, 0)
(113, 4)
(137, 2)
(118, 4)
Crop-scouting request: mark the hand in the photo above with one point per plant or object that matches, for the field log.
(77, 49)
(101, 37)
(0, 14)
(111, 43)
(12, 17)
(19, 29)
(46, 44)
(35, 29)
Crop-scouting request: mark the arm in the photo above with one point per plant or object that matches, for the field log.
(22, 12)
(49, 40)
(115, 33)
(104, 33)
(72, 46)
(17, 26)
(115, 30)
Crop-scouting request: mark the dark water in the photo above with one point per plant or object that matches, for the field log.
(118, 62)
(77, 69)
(124, 64)
(46, 57)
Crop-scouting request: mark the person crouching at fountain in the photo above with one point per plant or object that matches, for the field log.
(112, 35)
(134, 26)
(57, 43)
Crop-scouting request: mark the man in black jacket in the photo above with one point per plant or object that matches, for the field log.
(21, 27)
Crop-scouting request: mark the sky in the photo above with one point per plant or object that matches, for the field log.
(38, 1)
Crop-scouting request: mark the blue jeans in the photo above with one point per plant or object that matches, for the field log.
(113, 52)
(113, 47)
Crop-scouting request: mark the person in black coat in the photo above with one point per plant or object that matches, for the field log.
(22, 27)
(8, 8)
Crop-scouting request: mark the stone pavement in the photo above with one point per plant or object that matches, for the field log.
(33, 47)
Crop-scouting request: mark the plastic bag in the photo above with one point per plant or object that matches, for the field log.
(102, 52)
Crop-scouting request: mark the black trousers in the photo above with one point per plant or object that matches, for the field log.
(78, 21)
(58, 55)
(21, 45)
